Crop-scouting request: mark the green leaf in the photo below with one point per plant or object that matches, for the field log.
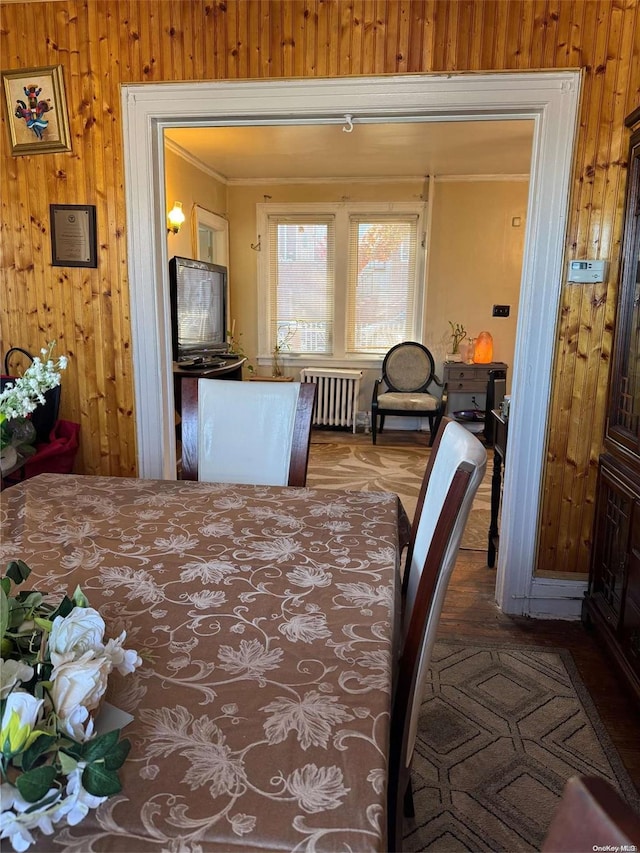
(30, 600)
(100, 746)
(5, 583)
(63, 609)
(79, 598)
(45, 624)
(67, 764)
(34, 785)
(99, 781)
(4, 612)
(17, 571)
(39, 746)
(118, 755)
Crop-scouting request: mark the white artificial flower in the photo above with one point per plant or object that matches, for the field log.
(21, 396)
(75, 807)
(11, 672)
(13, 828)
(79, 684)
(18, 817)
(124, 660)
(20, 715)
(81, 631)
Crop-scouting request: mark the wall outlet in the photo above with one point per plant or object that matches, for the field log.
(501, 310)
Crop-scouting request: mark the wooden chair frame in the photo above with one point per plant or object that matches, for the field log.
(591, 816)
(434, 416)
(300, 441)
(422, 598)
(399, 790)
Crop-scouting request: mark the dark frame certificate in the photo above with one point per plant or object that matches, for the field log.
(73, 235)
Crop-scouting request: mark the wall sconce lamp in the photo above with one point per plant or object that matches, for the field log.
(175, 218)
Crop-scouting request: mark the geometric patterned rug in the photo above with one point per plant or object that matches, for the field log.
(501, 730)
(398, 469)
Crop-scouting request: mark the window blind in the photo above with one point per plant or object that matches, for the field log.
(381, 287)
(301, 282)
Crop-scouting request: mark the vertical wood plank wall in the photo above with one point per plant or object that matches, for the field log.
(104, 43)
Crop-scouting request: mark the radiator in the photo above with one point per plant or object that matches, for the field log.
(337, 397)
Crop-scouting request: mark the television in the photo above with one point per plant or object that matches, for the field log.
(198, 308)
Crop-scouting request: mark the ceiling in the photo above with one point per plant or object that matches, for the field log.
(371, 150)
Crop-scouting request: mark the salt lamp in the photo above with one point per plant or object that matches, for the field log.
(483, 349)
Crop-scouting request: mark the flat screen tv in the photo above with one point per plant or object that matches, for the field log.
(198, 308)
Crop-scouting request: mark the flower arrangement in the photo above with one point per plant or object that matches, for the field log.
(25, 393)
(53, 676)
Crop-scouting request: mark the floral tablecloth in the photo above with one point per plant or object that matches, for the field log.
(265, 619)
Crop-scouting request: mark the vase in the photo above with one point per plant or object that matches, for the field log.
(276, 365)
(8, 459)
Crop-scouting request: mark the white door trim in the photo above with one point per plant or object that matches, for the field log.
(551, 99)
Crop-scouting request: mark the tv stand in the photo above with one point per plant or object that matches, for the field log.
(231, 368)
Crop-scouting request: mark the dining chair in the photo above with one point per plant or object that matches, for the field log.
(408, 372)
(592, 816)
(455, 469)
(246, 432)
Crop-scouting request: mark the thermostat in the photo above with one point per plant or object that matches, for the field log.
(586, 272)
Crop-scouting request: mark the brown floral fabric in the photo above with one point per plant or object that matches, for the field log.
(265, 619)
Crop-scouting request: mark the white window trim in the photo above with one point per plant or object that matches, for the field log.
(339, 356)
(220, 227)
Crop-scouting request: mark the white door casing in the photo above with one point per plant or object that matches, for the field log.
(550, 99)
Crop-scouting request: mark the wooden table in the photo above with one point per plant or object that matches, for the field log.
(265, 618)
(500, 431)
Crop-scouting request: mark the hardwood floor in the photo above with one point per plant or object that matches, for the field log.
(470, 611)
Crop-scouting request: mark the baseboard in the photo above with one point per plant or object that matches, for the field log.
(555, 599)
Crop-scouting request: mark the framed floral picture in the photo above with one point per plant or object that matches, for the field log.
(36, 108)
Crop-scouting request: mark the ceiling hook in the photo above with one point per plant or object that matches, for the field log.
(349, 123)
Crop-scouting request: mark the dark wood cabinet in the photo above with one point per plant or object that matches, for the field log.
(612, 601)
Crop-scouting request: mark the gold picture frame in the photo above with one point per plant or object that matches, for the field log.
(36, 110)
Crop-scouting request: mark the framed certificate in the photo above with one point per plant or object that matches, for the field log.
(73, 235)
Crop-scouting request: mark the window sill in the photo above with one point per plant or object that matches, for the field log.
(293, 362)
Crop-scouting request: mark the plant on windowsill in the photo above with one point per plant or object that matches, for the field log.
(458, 333)
(236, 348)
(284, 336)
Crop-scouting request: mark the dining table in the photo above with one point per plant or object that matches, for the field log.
(266, 620)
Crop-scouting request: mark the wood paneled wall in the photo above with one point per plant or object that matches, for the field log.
(103, 43)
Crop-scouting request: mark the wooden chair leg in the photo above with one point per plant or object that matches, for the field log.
(409, 808)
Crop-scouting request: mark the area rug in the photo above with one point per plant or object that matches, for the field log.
(501, 730)
(368, 467)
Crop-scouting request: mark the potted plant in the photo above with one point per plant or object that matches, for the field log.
(458, 333)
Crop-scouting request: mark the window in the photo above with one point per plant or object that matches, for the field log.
(341, 280)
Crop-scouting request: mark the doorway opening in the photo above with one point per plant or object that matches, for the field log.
(550, 99)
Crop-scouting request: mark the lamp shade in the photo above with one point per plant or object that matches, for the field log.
(175, 217)
(483, 348)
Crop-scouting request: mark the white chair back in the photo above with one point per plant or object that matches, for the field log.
(457, 446)
(245, 431)
(454, 472)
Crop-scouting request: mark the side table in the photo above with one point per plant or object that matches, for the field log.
(468, 387)
(500, 431)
